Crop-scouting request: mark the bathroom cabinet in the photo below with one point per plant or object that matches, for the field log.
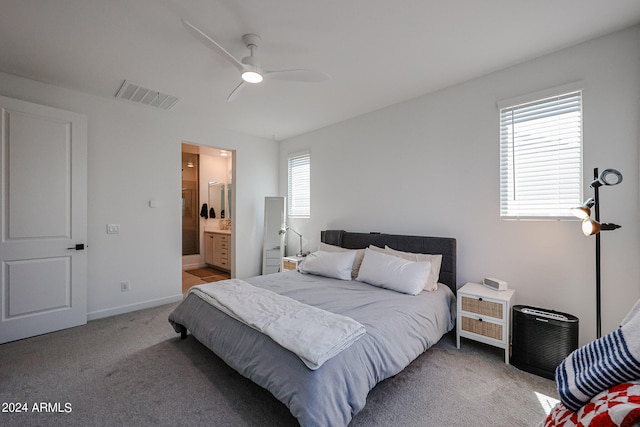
(217, 249)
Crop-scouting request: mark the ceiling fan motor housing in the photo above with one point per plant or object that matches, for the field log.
(250, 60)
(251, 40)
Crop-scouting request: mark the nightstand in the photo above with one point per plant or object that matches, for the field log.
(291, 262)
(484, 315)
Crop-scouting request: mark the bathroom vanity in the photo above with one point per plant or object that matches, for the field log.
(217, 249)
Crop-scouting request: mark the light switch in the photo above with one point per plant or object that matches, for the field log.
(154, 203)
(113, 228)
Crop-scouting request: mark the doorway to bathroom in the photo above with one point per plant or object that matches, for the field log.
(208, 202)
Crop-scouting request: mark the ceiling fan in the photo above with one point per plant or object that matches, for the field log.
(249, 66)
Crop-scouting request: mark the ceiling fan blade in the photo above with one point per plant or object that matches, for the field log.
(299, 75)
(234, 93)
(211, 44)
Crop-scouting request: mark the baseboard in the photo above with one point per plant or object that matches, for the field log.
(193, 266)
(133, 307)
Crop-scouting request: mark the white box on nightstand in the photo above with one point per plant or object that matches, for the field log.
(484, 315)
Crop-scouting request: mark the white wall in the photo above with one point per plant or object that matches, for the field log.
(430, 166)
(134, 156)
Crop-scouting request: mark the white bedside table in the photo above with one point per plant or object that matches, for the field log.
(484, 315)
(291, 262)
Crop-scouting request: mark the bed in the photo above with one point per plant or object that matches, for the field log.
(399, 327)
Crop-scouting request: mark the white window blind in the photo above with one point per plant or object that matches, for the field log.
(299, 197)
(541, 157)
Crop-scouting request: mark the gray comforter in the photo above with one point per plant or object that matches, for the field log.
(399, 328)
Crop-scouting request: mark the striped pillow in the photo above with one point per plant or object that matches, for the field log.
(601, 364)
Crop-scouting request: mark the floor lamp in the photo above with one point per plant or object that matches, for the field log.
(591, 227)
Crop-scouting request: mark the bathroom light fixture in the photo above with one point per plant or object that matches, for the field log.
(591, 227)
(284, 230)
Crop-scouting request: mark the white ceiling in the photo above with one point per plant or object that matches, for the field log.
(377, 52)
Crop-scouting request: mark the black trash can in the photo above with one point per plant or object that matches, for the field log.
(541, 339)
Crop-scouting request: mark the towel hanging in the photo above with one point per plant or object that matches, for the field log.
(204, 211)
(212, 213)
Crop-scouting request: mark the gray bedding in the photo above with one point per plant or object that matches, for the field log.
(399, 328)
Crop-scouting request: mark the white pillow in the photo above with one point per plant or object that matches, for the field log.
(337, 265)
(356, 262)
(392, 272)
(431, 284)
(435, 260)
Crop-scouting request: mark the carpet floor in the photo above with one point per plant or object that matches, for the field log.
(133, 370)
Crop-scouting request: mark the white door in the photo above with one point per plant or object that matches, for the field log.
(43, 158)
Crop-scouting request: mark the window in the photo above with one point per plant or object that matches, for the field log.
(541, 157)
(299, 194)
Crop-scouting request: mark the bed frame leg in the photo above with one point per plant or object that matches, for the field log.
(183, 332)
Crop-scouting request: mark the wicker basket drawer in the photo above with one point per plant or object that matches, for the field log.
(289, 265)
(480, 327)
(482, 307)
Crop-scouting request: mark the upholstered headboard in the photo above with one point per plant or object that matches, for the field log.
(416, 244)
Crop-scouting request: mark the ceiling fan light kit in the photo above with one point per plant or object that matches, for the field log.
(252, 73)
(249, 66)
(252, 77)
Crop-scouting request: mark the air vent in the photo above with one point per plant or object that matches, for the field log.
(133, 92)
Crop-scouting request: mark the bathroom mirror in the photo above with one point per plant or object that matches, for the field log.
(227, 206)
(216, 198)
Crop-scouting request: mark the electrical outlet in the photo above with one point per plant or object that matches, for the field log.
(125, 286)
(113, 228)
